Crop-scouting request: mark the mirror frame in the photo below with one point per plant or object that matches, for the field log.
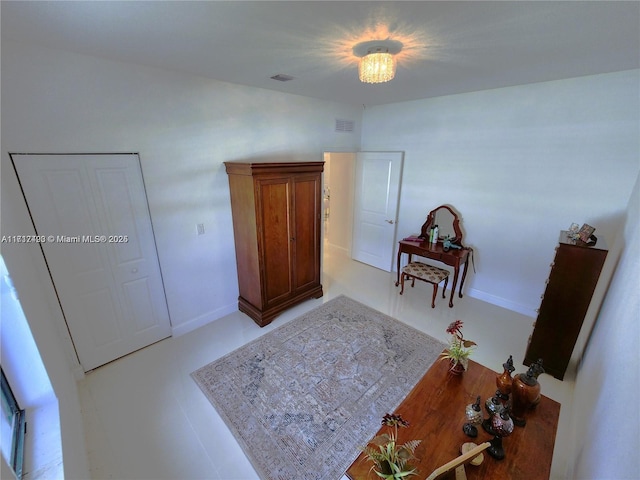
(424, 232)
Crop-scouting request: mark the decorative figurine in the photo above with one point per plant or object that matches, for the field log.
(493, 406)
(504, 381)
(502, 426)
(525, 392)
(474, 417)
(536, 373)
(448, 243)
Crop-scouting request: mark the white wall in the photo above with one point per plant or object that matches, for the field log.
(5, 470)
(606, 422)
(520, 164)
(22, 364)
(184, 128)
(26, 270)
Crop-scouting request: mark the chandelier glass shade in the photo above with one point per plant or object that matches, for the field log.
(377, 66)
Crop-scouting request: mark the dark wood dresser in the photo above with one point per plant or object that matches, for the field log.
(276, 210)
(574, 274)
(435, 410)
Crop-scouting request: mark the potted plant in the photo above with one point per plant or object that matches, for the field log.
(459, 348)
(388, 457)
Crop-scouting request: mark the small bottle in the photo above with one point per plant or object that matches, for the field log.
(435, 235)
(431, 235)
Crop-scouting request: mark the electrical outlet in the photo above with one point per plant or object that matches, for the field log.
(200, 228)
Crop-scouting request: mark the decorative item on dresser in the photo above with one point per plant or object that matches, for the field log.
(473, 413)
(435, 406)
(389, 457)
(276, 210)
(570, 286)
(459, 349)
(494, 405)
(504, 382)
(525, 393)
(502, 426)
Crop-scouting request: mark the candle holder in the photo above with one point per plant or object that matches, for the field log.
(502, 426)
(473, 413)
(493, 406)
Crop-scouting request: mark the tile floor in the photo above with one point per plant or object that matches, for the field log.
(146, 419)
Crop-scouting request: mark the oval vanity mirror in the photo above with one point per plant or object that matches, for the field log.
(448, 224)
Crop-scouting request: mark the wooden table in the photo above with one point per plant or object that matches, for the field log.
(435, 410)
(453, 257)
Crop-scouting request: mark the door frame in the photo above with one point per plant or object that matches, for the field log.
(336, 195)
(351, 195)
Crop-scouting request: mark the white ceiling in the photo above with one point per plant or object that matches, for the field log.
(449, 47)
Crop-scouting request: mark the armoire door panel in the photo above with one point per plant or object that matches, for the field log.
(306, 266)
(276, 238)
(245, 228)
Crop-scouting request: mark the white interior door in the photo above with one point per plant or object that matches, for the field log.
(377, 193)
(100, 249)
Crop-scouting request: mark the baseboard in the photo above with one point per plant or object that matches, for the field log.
(202, 320)
(209, 317)
(502, 302)
(265, 316)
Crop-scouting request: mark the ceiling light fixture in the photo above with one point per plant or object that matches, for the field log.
(377, 66)
(377, 61)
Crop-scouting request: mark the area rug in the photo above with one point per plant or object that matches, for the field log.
(304, 398)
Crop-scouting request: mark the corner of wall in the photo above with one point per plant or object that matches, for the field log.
(203, 320)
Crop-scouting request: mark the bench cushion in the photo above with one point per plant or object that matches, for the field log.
(425, 272)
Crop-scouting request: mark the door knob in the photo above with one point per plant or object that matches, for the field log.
(389, 221)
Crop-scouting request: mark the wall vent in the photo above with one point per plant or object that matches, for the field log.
(281, 77)
(344, 125)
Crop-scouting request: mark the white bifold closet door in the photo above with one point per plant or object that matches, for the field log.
(92, 212)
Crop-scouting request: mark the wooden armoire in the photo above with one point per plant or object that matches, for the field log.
(276, 208)
(574, 274)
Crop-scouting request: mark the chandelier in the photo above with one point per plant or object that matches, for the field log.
(377, 62)
(377, 66)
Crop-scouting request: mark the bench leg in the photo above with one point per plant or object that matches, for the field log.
(433, 298)
(402, 283)
(444, 289)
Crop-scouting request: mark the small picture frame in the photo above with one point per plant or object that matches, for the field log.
(585, 233)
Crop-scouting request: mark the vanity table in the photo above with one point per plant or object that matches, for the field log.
(448, 226)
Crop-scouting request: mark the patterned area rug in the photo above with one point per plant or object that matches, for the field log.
(304, 398)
